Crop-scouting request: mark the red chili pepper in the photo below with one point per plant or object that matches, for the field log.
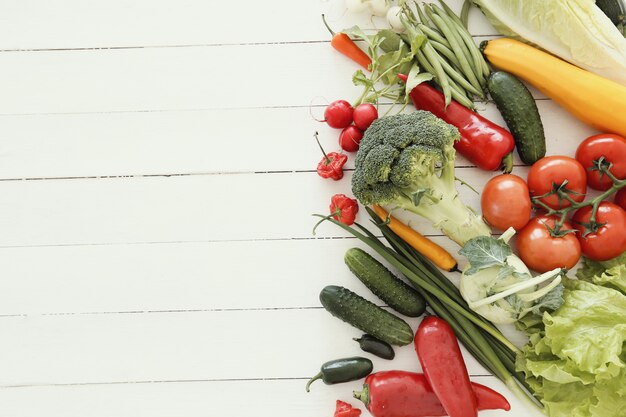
(342, 43)
(407, 394)
(483, 142)
(443, 365)
(331, 165)
(343, 208)
(344, 409)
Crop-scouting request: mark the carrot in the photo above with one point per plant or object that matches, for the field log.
(342, 43)
(438, 255)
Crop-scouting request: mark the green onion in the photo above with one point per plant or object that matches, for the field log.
(483, 340)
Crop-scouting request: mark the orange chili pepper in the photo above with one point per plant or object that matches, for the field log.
(342, 43)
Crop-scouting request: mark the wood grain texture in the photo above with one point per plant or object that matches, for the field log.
(156, 189)
(59, 24)
(197, 399)
(199, 142)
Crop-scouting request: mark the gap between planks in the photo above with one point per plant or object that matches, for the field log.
(179, 381)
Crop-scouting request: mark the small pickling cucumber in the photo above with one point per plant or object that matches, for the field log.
(520, 113)
(365, 315)
(393, 291)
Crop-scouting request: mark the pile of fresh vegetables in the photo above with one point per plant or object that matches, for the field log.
(567, 209)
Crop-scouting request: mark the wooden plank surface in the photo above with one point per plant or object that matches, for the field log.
(157, 183)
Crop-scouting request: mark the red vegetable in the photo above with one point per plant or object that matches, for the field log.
(444, 368)
(331, 165)
(338, 114)
(612, 148)
(344, 208)
(342, 43)
(620, 198)
(407, 394)
(608, 240)
(543, 252)
(556, 175)
(350, 138)
(483, 142)
(505, 202)
(364, 115)
(343, 409)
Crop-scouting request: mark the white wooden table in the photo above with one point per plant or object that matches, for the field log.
(157, 172)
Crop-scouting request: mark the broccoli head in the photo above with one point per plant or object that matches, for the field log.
(407, 161)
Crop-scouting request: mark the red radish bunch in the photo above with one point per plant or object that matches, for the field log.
(340, 115)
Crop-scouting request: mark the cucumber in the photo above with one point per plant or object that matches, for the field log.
(519, 110)
(393, 291)
(365, 315)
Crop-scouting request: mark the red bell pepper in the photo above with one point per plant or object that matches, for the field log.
(407, 394)
(483, 142)
(343, 409)
(443, 365)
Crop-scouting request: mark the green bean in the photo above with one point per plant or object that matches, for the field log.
(421, 14)
(445, 51)
(460, 97)
(450, 13)
(480, 66)
(456, 48)
(467, 5)
(432, 58)
(433, 34)
(463, 83)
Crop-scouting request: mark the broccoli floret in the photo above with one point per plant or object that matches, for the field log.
(407, 161)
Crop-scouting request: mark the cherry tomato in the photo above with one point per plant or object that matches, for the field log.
(350, 138)
(550, 172)
(620, 198)
(609, 240)
(338, 114)
(612, 148)
(541, 251)
(364, 115)
(505, 202)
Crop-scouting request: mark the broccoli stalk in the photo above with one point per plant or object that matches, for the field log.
(407, 161)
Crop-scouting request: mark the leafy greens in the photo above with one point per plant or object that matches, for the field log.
(575, 361)
(575, 30)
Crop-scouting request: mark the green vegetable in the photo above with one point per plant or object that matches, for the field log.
(483, 340)
(498, 285)
(610, 273)
(575, 362)
(407, 161)
(395, 292)
(376, 347)
(575, 30)
(343, 370)
(365, 315)
(519, 110)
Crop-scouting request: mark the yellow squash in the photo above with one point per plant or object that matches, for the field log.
(595, 100)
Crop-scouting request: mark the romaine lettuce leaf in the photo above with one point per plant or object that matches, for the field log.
(575, 30)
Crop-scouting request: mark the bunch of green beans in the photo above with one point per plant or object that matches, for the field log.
(450, 53)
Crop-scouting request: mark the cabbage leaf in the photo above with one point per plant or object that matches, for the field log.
(575, 30)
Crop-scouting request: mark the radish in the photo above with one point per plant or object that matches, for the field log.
(350, 138)
(393, 18)
(338, 114)
(364, 114)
